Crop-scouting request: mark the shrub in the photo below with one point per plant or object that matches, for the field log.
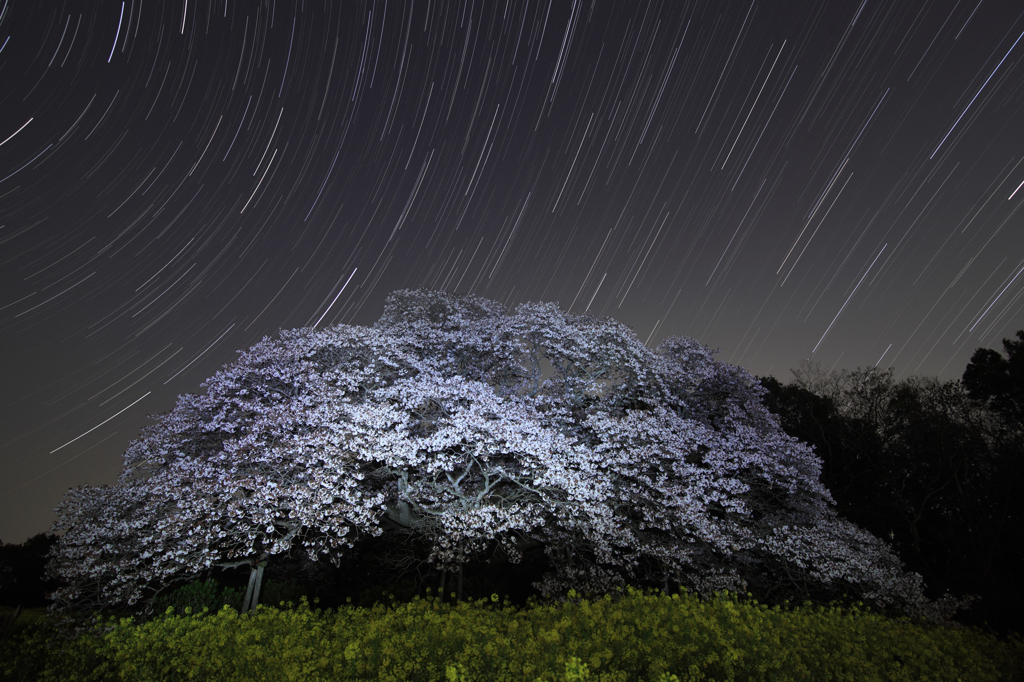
(210, 595)
(632, 635)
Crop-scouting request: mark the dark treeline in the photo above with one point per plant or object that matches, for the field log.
(23, 579)
(934, 467)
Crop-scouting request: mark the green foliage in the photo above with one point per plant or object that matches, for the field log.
(197, 596)
(634, 636)
(209, 595)
(275, 593)
(25, 618)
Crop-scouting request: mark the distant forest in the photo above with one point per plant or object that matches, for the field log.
(934, 467)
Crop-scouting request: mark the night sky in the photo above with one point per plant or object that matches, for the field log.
(835, 180)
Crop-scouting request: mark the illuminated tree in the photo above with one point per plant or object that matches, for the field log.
(476, 429)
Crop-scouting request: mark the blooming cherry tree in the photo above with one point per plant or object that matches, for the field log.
(457, 422)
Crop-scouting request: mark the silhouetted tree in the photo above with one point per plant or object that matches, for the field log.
(999, 381)
(923, 463)
(849, 448)
(22, 572)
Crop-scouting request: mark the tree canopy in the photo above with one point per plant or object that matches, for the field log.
(933, 466)
(478, 429)
(999, 381)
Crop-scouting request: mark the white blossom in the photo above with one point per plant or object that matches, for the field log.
(462, 423)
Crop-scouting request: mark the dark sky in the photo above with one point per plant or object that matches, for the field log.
(834, 180)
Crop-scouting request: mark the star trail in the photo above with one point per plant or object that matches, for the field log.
(836, 181)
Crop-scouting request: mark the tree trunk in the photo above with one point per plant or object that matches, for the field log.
(7, 623)
(440, 590)
(248, 589)
(256, 591)
(462, 560)
(252, 592)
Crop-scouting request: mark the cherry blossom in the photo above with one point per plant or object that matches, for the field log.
(456, 421)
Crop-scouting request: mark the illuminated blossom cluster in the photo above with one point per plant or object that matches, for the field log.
(472, 427)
